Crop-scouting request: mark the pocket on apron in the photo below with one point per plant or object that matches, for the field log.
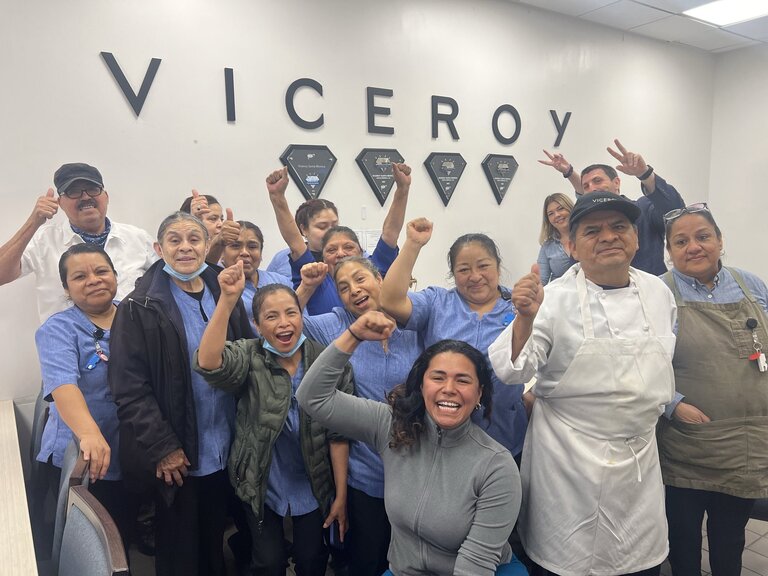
(742, 339)
(757, 444)
(718, 445)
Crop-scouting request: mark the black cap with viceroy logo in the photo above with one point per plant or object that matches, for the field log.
(602, 201)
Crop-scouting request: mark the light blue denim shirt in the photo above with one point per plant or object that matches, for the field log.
(553, 261)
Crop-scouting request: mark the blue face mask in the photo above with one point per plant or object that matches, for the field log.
(268, 346)
(184, 277)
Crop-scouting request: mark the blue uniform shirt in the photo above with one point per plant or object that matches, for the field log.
(289, 491)
(281, 263)
(325, 297)
(66, 346)
(214, 409)
(439, 314)
(376, 373)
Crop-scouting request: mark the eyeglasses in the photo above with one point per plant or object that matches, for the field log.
(99, 355)
(77, 193)
(690, 209)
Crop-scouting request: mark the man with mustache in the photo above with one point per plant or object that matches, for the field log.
(37, 246)
(659, 197)
(599, 341)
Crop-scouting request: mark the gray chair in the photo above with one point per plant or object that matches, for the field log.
(91, 544)
(74, 472)
(41, 504)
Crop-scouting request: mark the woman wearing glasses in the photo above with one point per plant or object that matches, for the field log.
(175, 430)
(714, 449)
(73, 347)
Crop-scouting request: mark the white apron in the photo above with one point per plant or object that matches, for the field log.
(593, 498)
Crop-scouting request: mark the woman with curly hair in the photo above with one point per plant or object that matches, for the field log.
(452, 493)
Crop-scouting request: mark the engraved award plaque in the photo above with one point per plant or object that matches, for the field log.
(309, 167)
(376, 165)
(499, 169)
(445, 169)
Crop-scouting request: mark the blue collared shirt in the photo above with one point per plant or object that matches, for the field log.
(289, 491)
(553, 260)
(439, 314)
(65, 345)
(376, 373)
(725, 291)
(281, 263)
(214, 409)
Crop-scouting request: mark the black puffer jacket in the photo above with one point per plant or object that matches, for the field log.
(150, 374)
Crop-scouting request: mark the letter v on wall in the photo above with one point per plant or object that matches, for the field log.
(135, 100)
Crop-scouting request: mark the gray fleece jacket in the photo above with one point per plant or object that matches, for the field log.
(452, 498)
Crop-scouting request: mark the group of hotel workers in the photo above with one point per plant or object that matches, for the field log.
(392, 422)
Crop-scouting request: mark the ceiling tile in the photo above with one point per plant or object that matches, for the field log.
(757, 29)
(625, 15)
(674, 6)
(746, 44)
(570, 7)
(673, 29)
(716, 39)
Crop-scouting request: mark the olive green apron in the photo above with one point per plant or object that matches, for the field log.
(714, 373)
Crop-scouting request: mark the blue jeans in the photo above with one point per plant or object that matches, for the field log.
(514, 568)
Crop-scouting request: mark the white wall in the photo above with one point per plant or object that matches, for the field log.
(740, 156)
(60, 104)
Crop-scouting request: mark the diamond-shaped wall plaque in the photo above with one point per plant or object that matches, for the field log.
(499, 169)
(445, 169)
(309, 166)
(376, 164)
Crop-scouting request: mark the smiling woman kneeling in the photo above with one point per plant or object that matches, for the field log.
(452, 493)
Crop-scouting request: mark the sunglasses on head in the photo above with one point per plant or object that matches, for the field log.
(690, 209)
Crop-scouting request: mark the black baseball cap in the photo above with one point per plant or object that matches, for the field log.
(602, 201)
(68, 173)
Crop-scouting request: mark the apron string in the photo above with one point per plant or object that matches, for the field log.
(628, 442)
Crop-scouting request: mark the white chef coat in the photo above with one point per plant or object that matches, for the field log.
(593, 500)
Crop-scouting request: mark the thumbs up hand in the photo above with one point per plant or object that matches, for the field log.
(45, 207)
(528, 293)
(230, 229)
(199, 205)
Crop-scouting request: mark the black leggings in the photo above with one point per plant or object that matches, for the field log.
(269, 556)
(727, 518)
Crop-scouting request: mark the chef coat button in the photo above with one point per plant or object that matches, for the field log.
(646, 327)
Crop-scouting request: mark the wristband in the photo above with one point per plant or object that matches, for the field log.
(646, 174)
(567, 173)
(355, 336)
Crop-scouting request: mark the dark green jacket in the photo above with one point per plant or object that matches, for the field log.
(264, 392)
